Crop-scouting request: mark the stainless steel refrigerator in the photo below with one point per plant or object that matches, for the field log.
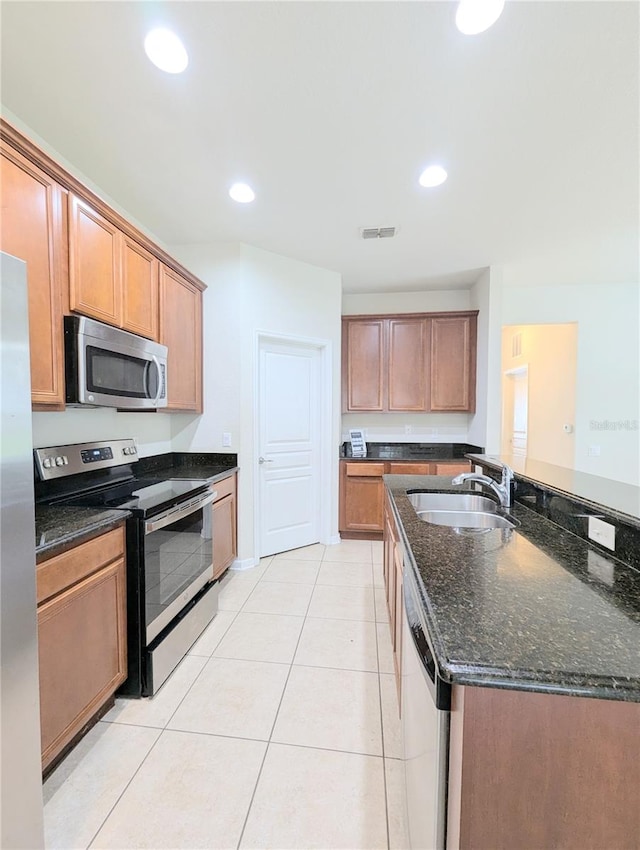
(21, 822)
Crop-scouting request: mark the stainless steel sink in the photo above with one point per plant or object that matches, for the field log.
(451, 502)
(460, 510)
(467, 519)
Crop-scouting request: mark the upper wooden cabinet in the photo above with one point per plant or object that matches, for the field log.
(111, 277)
(32, 227)
(181, 332)
(84, 257)
(453, 363)
(417, 362)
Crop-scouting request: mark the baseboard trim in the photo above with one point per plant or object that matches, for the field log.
(243, 564)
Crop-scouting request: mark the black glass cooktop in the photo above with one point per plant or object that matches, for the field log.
(143, 496)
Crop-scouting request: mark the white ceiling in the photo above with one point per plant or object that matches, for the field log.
(332, 109)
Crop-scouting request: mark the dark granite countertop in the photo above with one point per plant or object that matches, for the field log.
(208, 467)
(536, 608)
(61, 527)
(411, 451)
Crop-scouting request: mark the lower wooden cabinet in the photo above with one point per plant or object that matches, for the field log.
(82, 636)
(362, 491)
(225, 524)
(393, 566)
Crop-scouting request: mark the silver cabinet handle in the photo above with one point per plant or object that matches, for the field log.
(264, 460)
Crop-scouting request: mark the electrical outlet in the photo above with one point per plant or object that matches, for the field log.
(226, 439)
(603, 533)
(594, 451)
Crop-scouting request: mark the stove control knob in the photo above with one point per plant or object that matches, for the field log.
(47, 463)
(59, 461)
(65, 460)
(133, 450)
(126, 450)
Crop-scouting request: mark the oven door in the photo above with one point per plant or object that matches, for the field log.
(178, 560)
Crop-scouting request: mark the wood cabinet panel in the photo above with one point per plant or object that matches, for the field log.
(70, 567)
(452, 468)
(410, 468)
(181, 332)
(95, 287)
(225, 523)
(140, 283)
(413, 362)
(407, 364)
(32, 228)
(361, 500)
(82, 654)
(453, 363)
(576, 764)
(363, 380)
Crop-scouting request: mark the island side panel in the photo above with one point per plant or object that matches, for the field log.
(533, 770)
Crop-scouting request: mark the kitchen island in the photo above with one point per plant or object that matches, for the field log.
(537, 635)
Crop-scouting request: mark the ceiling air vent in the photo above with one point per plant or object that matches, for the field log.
(378, 232)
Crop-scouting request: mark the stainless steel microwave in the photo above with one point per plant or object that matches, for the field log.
(108, 367)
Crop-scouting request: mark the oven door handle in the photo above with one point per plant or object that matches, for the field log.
(179, 512)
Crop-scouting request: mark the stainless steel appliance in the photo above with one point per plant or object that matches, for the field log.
(426, 701)
(21, 824)
(108, 367)
(171, 596)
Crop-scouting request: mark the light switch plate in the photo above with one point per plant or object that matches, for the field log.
(226, 439)
(602, 532)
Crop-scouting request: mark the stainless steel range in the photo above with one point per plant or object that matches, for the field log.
(170, 593)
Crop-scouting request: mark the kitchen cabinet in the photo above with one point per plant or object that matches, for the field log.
(82, 637)
(362, 491)
(453, 363)
(361, 497)
(111, 277)
(181, 332)
(225, 524)
(393, 565)
(33, 228)
(419, 362)
(533, 769)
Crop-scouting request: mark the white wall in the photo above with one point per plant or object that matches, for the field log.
(486, 297)
(252, 291)
(408, 427)
(608, 366)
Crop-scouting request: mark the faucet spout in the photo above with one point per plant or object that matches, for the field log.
(502, 490)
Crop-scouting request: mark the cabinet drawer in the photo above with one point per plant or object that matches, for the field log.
(369, 470)
(68, 568)
(452, 468)
(225, 487)
(410, 468)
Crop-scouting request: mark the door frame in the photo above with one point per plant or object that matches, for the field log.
(324, 348)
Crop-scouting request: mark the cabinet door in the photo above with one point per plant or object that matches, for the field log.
(181, 332)
(398, 618)
(82, 654)
(224, 534)
(362, 502)
(32, 228)
(453, 363)
(408, 373)
(95, 275)
(363, 364)
(139, 289)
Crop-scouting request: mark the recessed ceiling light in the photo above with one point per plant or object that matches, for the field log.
(475, 16)
(166, 51)
(242, 193)
(432, 176)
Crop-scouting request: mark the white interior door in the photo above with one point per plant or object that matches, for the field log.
(289, 445)
(515, 411)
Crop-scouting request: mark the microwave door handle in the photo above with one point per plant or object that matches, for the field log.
(159, 370)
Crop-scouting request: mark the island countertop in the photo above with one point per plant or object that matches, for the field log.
(534, 608)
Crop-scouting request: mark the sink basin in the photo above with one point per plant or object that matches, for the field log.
(452, 502)
(467, 519)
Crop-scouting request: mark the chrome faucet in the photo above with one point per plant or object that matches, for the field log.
(502, 490)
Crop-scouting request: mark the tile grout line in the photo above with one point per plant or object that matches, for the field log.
(161, 731)
(275, 719)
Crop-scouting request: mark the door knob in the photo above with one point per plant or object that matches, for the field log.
(264, 460)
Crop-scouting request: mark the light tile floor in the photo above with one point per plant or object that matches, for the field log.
(278, 730)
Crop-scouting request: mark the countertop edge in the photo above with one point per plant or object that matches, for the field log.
(93, 529)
